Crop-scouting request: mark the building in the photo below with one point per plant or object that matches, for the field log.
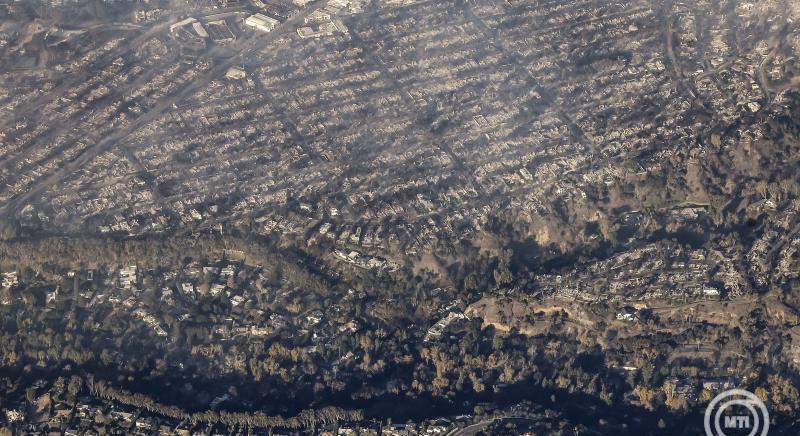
(318, 17)
(627, 313)
(199, 29)
(181, 23)
(279, 9)
(10, 279)
(235, 73)
(261, 22)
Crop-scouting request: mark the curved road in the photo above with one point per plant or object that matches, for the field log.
(477, 428)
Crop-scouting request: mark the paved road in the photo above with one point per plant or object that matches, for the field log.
(477, 428)
(123, 50)
(242, 48)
